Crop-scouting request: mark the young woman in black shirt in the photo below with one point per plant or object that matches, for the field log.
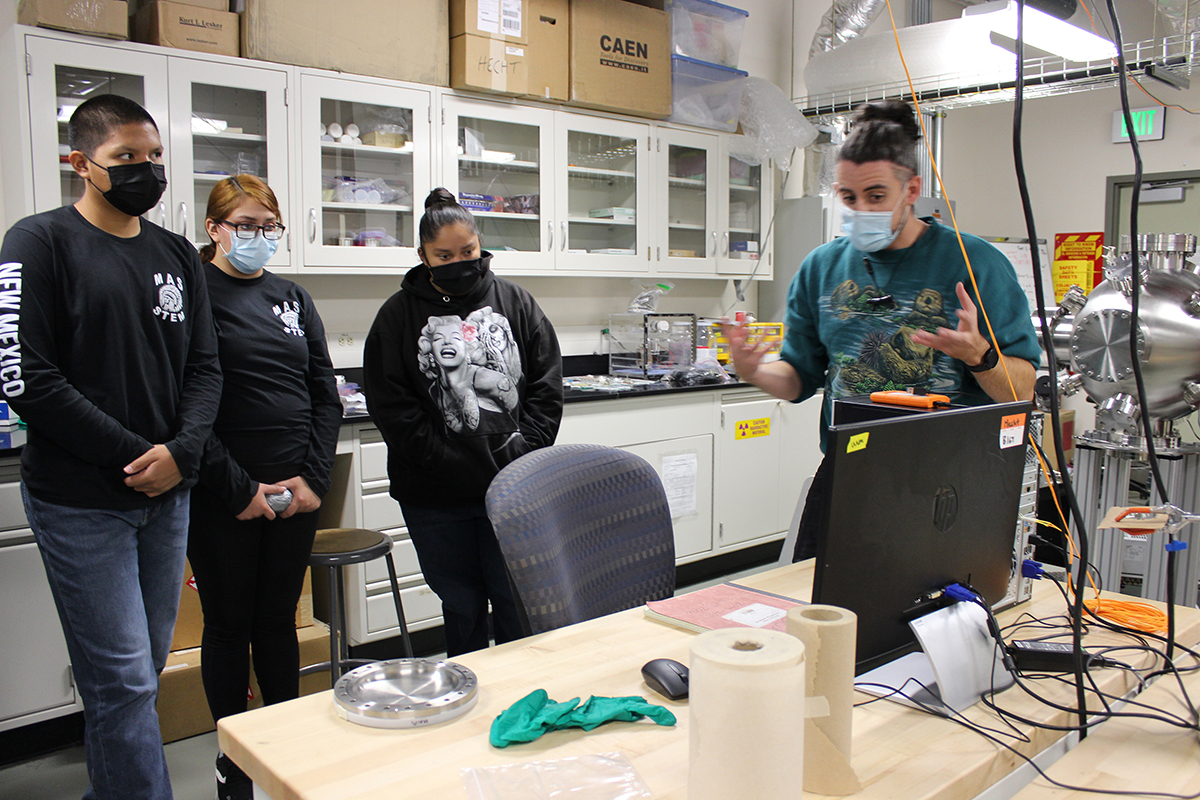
(276, 429)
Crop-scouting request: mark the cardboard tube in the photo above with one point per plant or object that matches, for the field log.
(746, 701)
(828, 633)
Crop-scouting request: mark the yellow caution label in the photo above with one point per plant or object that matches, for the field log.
(857, 442)
(751, 428)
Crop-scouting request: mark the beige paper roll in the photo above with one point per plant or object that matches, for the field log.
(746, 703)
(828, 633)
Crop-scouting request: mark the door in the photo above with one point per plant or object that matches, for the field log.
(362, 193)
(498, 168)
(602, 202)
(62, 75)
(749, 444)
(687, 202)
(225, 120)
(744, 216)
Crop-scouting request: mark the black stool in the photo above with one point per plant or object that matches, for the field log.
(332, 549)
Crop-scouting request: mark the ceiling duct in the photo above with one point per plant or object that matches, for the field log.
(845, 20)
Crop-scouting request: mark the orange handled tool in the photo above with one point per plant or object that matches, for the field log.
(898, 398)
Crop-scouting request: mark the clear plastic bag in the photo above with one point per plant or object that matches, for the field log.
(706, 373)
(646, 299)
(772, 126)
(606, 776)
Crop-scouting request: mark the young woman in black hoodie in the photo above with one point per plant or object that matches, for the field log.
(463, 374)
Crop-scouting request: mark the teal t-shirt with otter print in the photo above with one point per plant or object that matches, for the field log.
(838, 338)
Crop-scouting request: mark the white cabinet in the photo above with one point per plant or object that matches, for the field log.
(602, 194)
(501, 167)
(62, 74)
(35, 672)
(359, 203)
(686, 209)
(215, 119)
(225, 120)
(370, 610)
(765, 450)
(744, 214)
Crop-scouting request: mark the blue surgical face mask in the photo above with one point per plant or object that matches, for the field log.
(248, 256)
(871, 231)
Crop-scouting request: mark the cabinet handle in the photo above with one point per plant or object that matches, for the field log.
(562, 246)
(550, 230)
(714, 238)
(162, 214)
(726, 247)
(312, 225)
(183, 223)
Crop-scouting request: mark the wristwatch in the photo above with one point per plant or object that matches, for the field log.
(990, 359)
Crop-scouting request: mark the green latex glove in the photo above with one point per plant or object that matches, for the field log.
(536, 714)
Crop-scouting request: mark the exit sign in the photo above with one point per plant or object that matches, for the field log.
(1148, 124)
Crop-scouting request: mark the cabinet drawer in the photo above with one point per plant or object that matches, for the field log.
(405, 556)
(380, 512)
(420, 604)
(12, 510)
(372, 465)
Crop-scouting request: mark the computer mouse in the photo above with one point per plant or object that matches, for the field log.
(668, 678)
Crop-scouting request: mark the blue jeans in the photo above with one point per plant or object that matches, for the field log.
(461, 561)
(116, 576)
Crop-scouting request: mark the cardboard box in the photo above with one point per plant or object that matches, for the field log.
(503, 20)
(189, 624)
(384, 139)
(620, 57)
(182, 706)
(407, 41)
(549, 49)
(488, 65)
(1067, 418)
(186, 27)
(107, 18)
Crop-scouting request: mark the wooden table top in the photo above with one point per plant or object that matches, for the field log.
(1132, 755)
(302, 750)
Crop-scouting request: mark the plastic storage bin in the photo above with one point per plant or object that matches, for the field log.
(706, 95)
(706, 30)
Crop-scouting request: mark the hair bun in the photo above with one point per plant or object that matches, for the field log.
(440, 196)
(896, 112)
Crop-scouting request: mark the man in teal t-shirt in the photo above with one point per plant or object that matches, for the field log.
(891, 305)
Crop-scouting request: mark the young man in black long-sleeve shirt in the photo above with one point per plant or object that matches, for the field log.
(110, 357)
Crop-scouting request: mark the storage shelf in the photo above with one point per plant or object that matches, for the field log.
(505, 215)
(595, 221)
(231, 137)
(517, 166)
(599, 174)
(406, 150)
(750, 231)
(208, 177)
(364, 207)
(687, 183)
(737, 187)
(686, 226)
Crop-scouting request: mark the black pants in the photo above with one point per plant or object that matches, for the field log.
(249, 575)
(461, 561)
(806, 539)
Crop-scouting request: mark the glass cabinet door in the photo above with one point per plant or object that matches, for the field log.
(365, 172)
(603, 198)
(496, 168)
(688, 217)
(225, 120)
(742, 218)
(62, 75)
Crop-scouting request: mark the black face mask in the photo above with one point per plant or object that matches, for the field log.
(459, 277)
(134, 188)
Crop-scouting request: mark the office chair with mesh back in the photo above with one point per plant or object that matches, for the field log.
(585, 531)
